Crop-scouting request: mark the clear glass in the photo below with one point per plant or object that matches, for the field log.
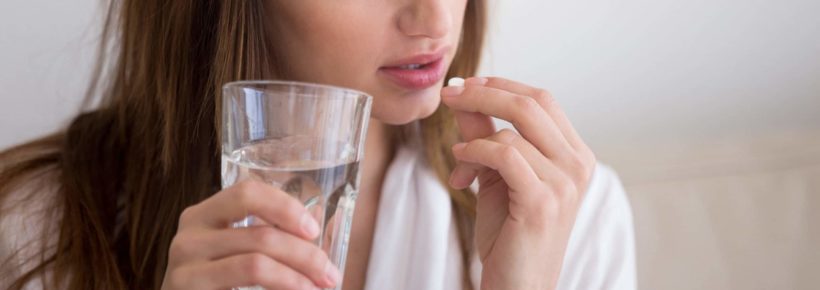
(305, 139)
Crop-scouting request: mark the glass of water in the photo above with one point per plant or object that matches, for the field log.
(305, 139)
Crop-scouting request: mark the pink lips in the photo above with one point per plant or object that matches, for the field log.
(430, 71)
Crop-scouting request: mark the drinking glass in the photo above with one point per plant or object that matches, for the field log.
(305, 139)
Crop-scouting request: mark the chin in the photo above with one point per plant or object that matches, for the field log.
(404, 109)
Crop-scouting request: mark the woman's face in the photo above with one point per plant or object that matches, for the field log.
(362, 44)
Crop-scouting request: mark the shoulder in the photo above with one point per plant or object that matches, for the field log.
(29, 215)
(601, 250)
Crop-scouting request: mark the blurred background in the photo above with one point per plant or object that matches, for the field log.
(708, 109)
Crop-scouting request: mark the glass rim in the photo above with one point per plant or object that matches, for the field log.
(347, 91)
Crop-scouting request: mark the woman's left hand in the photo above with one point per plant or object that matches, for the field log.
(530, 185)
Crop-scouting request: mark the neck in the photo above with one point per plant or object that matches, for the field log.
(377, 156)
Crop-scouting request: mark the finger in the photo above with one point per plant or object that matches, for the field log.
(250, 197)
(294, 252)
(471, 125)
(522, 111)
(546, 101)
(238, 271)
(464, 174)
(584, 157)
(503, 158)
(541, 165)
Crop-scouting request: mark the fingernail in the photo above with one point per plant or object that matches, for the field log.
(309, 225)
(333, 275)
(476, 81)
(459, 146)
(452, 180)
(451, 91)
(455, 180)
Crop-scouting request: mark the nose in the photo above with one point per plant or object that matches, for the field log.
(428, 18)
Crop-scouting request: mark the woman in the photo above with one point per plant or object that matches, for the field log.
(127, 196)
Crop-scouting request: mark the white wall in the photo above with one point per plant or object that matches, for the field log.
(46, 51)
(632, 72)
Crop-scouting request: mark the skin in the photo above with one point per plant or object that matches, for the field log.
(531, 183)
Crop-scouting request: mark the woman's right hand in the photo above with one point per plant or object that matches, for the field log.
(207, 253)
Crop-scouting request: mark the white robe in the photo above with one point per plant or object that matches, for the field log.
(415, 242)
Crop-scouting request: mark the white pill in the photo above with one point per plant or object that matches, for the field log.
(455, 82)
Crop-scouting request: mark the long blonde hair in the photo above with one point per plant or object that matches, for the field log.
(128, 167)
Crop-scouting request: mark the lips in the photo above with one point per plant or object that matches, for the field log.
(416, 72)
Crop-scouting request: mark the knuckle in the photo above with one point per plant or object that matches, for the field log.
(547, 206)
(187, 216)
(580, 166)
(179, 247)
(525, 103)
(244, 185)
(564, 190)
(506, 136)
(544, 97)
(266, 236)
(257, 267)
(245, 190)
(508, 153)
(526, 111)
(576, 164)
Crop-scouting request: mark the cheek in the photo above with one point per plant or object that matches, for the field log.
(458, 20)
(334, 47)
